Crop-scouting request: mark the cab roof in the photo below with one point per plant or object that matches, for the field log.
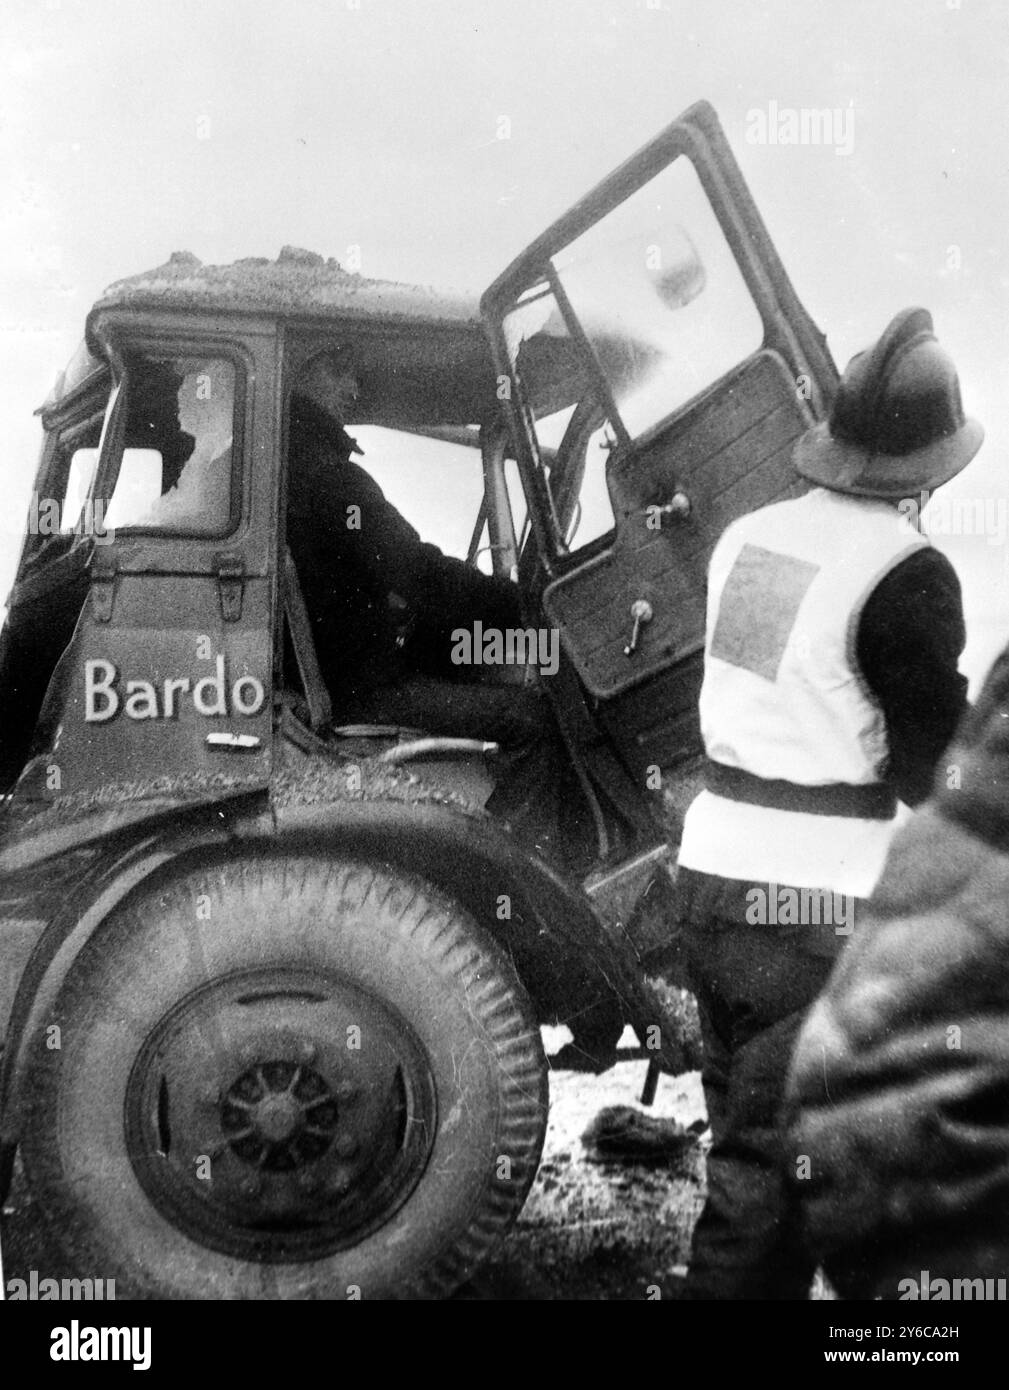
(298, 284)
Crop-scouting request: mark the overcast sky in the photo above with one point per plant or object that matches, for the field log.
(231, 127)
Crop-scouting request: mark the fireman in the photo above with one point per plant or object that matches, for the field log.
(831, 688)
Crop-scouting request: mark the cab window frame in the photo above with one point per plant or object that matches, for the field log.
(171, 349)
(91, 401)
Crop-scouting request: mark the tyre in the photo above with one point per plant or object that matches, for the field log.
(286, 1078)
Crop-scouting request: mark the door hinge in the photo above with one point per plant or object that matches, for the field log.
(230, 572)
(103, 585)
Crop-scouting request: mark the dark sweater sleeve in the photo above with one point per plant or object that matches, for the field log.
(910, 638)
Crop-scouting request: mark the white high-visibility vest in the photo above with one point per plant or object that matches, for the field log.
(783, 698)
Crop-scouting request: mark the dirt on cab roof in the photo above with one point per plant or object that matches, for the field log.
(298, 283)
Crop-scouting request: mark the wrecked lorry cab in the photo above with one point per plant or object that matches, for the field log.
(295, 971)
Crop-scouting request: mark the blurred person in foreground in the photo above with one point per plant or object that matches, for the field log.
(899, 1091)
(831, 687)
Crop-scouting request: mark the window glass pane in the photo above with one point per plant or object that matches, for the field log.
(517, 501)
(658, 292)
(83, 463)
(484, 558)
(175, 472)
(593, 516)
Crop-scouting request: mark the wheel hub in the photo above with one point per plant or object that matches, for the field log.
(282, 1112)
(279, 1116)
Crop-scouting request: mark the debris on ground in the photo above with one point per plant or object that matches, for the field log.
(621, 1132)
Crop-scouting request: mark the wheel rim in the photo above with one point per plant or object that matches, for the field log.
(280, 1114)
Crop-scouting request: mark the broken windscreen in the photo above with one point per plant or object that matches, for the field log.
(174, 468)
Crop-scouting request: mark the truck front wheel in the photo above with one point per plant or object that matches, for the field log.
(285, 1077)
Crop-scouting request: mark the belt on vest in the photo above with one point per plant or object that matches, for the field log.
(872, 802)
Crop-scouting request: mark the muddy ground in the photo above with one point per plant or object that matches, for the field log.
(595, 1229)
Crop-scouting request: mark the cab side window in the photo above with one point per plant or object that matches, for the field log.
(70, 459)
(444, 513)
(174, 471)
(72, 472)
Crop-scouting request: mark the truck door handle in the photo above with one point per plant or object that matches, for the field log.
(641, 613)
(677, 508)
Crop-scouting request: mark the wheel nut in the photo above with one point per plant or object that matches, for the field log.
(340, 1182)
(250, 1187)
(308, 1052)
(308, 1181)
(346, 1146)
(346, 1090)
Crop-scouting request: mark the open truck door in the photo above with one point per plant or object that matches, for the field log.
(672, 368)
